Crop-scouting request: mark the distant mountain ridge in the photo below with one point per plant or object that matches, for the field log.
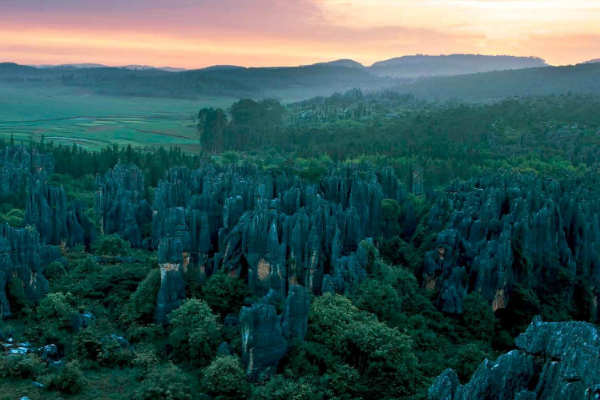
(594, 61)
(411, 66)
(453, 64)
(95, 65)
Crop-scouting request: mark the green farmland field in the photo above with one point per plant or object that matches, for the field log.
(92, 121)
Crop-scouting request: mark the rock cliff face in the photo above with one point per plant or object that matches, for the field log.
(57, 222)
(554, 361)
(266, 336)
(120, 203)
(499, 230)
(172, 278)
(23, 258)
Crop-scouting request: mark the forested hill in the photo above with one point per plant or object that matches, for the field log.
(582, 78)
(233, 82)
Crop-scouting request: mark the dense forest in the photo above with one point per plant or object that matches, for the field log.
(356, 246)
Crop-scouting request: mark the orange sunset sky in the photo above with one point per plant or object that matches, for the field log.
(199, 33)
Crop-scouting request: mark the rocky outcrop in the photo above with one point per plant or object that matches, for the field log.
(120, 204)
(23, 258)
(263, 344)
(57, 222)
(294, 320)
(508, 228)
(271, 229)
(558, 360)
(266, 336)
(17, 163)
(172, 278)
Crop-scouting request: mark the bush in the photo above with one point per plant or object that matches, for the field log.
(26, 366)
(145, 356)
(111, 246)
(14, 218)
(141, 305)
(17, 297)
(57, 310)
(283, 388)
(225, 378)
(54, 271)
(478, 317)
(69, 379)
(383, 356)
(225, 294)
(164, 382)
(390, 209)
(467, 360)
(196, 332)
(379, 298)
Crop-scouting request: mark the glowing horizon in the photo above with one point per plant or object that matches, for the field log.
(200, 33)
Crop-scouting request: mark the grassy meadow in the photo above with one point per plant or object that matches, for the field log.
(72, 116)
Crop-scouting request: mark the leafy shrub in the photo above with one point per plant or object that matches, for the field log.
(478, 317)
(57, 310)
(17, 297)
(142, 303)
(382, 355)
(283, 388)
(467, 360)
(163, 382)
(111, 245)
(225, 294)
(54, 271)
(14, 218)
(23, 366)
(196, 332)
(69, 379)
(145, 356)
(379, 298)
(225, 378)
(390, 209)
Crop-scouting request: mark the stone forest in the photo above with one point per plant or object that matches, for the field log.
(402, 260)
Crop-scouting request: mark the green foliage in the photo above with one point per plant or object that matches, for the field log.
(17, 297)
(111, 245)
(390, 209)
(146, 356)
(110, 285)
(163, 382)
(382, 355)
(283, 388)
(142, 303)
(468, 359)
(225, 378)
(314, 171)
(15, 217)
(196, 332)
(230, 157)
(57, 310)
(54, 271)
(23, 366)
(379, 298)
(522, 307)
(398, 252)
(225, 294)
(69, 379)
(478, 317)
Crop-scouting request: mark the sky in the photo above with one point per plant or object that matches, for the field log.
(200, 33)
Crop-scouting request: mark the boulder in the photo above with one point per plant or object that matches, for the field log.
(553, 360)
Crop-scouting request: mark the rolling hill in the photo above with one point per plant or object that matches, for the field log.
(583, 78)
